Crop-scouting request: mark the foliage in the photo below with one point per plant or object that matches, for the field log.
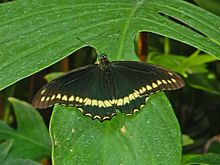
(37, 34)
(30, 140)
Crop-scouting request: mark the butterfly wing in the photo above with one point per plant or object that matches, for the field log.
(86, 88)
(96, 93)
(135, 81)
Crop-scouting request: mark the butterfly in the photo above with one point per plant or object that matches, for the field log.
(98, 90)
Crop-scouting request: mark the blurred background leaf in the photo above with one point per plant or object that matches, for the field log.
(209, 159)
(30, 139)
(5, 160)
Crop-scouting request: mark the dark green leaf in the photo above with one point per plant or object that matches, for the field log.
(152, 136)
(211, 5)
(36, 34)
(4, 149)
(5, 160)
(181, 64)
(210, 159)
(203, 82)
(31, 139)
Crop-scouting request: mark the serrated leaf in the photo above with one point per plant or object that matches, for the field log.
(36, 34)
(152, 136)
(31, 138)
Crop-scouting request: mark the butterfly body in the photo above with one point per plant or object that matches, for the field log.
(98, 90)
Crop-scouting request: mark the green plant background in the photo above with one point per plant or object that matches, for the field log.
(37, 34)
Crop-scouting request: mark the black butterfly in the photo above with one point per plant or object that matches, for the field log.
(98, 90)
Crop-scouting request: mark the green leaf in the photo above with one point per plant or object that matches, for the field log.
(181, 64)
(36, 34)
(52, 76)
(4, 149)
(4, 152)
(204, 81)
(31, 138)
(152, 136)
(211, 5)
(21, 162)
(210, 159)
(187, 140)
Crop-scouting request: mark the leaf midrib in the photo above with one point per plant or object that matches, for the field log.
(127, 22)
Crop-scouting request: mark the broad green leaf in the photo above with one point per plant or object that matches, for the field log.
(4, 152)
(31, 138)
(209, 159)
(152, 136)
(35, 34)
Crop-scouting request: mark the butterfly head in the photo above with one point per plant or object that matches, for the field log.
(103, 62)
(102, 58)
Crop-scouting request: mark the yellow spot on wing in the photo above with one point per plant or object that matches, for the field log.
(88, 114)
(106, 117)
(71, 98)
(154, 85)
(58, 96)
(53, 97)
(48, 98)
(101, 104)
(42, 92)
(88, 101)
(159, 82)
(164, 81)
(149, 87)
(126, 100)
(64, 98)
(119, 102)
(94, 103)
(77, 99)
(96, 116)
(81, 110)
(80, 100)
(42, 98)
(170, 73)
(173, 80)
(107, 103)
(131, 97)
(135, 110)
(169, 81)
(144, 89)
(136, 94)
